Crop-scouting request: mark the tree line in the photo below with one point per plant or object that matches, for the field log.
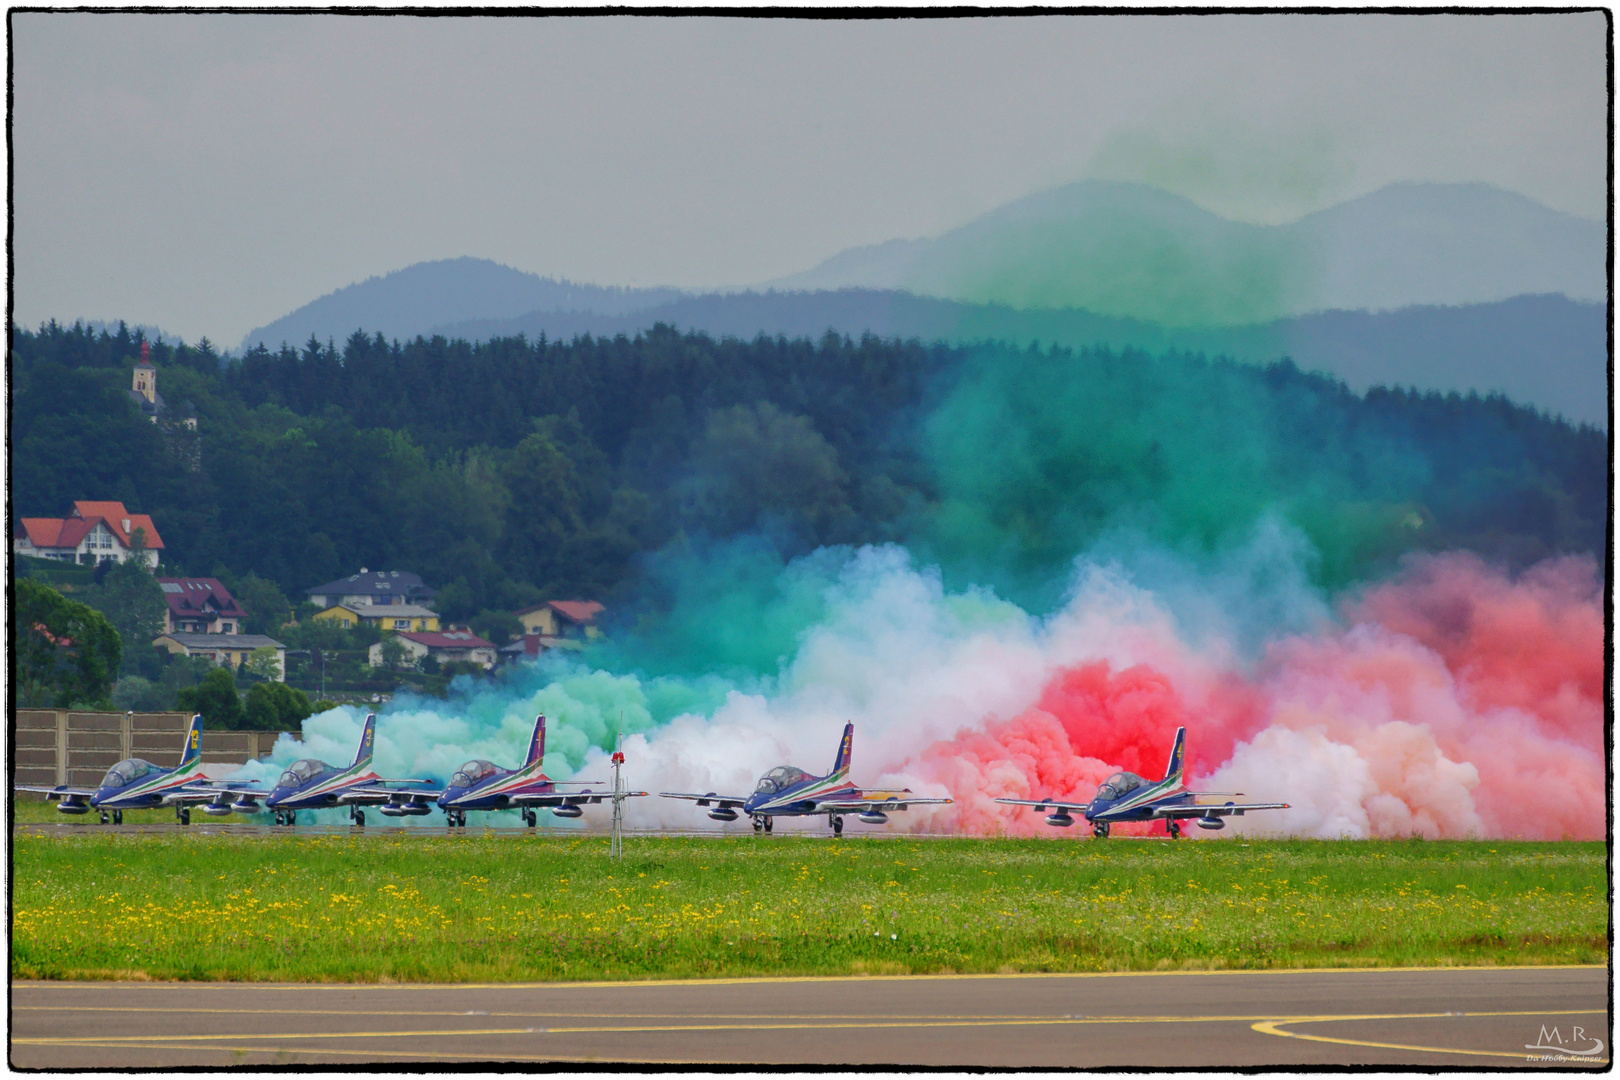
(511, 471)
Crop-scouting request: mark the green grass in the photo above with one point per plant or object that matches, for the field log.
(382, 906)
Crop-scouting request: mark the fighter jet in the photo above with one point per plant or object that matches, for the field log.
(1127, 797)
(134, 784)
(311, 784)
(787, 791)
(483, 785)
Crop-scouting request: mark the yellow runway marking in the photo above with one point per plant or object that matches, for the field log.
(758, 979)
(180, 1010)
(1274, 1027)
(374, 1053)
(1263, 1024)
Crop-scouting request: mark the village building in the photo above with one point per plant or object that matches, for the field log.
(143, 392)
(567, 619)
(200, 606)
(94, 532)
(531, 646)
(447, 647)
(382, 616)
(224, 649)
(372, 588)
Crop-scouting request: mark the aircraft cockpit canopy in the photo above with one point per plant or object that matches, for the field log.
(1121, 783)
(781, 778)
(472, 772)
(300, 772)
(127, 772)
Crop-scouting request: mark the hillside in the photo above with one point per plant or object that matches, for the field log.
(418, 298)
(1545, 351)
(1134, 251)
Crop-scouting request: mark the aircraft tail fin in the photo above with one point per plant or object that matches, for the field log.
(537, 742)
(841, 763)
(362, 756)
(1173, 770)
(192, 751)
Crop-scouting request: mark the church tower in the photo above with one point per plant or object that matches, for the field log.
(146, 376)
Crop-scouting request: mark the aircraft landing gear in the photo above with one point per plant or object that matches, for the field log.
(837, 824)
(183, 814)
(357, 817)
(1174, 829)
(105, 817)
(118, 817)
(759, 823)
(455, 819)
(768, 823)
(1100, 830)
(530, 818)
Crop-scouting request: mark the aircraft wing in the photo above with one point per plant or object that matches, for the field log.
(724, 802)
(860, 800)
(59, 792)
(1214, 809)
(565, 798)
(376, 793)
(209, 792)
(1043, 804)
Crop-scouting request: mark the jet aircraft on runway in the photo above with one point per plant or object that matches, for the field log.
(786, 791)
(1127, 797)
(483, 785)
(134, 784)
(311, 784)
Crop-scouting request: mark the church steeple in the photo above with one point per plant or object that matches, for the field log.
(146, 375)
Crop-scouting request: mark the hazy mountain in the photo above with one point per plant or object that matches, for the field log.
(1546, 351)
(414, 300)
(1139, 252)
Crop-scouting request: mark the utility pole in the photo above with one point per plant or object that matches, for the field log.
(616, 849)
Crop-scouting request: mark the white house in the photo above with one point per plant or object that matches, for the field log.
(443, 647)
(95, 532)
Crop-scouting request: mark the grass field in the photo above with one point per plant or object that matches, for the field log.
(97, 904)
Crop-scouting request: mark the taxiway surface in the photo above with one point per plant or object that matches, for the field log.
(1459, 1017)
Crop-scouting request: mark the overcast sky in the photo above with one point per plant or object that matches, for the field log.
(209, 173)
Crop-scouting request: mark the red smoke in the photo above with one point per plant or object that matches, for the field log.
(1455, 700)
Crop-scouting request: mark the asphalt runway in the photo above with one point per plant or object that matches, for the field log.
(1412, 1018)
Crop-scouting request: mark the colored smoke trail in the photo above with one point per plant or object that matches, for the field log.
(1455, 702)
(1450, 700)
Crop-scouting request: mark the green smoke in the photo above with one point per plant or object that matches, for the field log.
(1121, 250)
(1038, 453)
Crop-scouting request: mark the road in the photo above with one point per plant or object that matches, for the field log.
(1415, 1018)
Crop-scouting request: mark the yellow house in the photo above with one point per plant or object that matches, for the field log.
(385, 616)
(223, 649)
(575, 619)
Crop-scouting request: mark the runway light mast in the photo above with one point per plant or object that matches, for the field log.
(616, 850)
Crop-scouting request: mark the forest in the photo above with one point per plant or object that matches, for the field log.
(511, 470)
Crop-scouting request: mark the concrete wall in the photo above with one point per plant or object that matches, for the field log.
(59, 746)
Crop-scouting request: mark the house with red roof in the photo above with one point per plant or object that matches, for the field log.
(573, 620)
(94, 532)
(200, 605)
(444, 646)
